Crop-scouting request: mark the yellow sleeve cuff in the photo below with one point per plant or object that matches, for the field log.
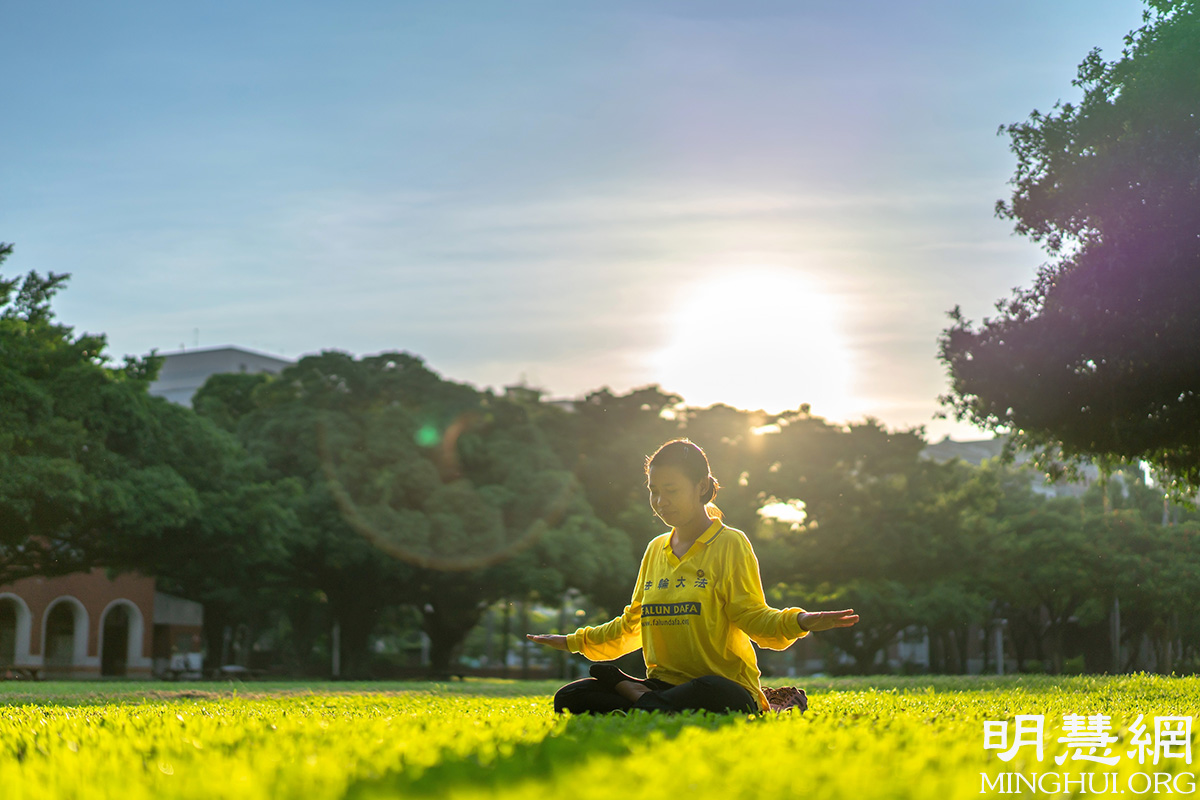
(575, 641)
(792, 624)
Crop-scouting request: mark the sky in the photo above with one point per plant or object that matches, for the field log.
(758, 203)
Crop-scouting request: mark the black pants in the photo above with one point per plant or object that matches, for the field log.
(709, 693)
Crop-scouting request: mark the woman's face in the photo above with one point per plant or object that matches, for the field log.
(675, 499)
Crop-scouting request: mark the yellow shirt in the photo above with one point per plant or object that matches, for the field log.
(696, 615)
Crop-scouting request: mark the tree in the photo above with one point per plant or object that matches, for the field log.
(77, 463)
(892, 534)
(605, 442)
(44, 487)
(415, 490)
(94, 471)
(1101, 356)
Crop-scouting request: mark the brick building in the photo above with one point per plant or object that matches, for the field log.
(88, 625)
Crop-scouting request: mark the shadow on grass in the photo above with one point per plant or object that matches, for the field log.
(567, 748)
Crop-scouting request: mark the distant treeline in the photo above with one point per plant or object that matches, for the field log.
(377, 495)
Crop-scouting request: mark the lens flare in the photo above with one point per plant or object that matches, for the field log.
(445, 458)
(427, 436)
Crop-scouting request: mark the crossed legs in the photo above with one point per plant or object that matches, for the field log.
(619, 692)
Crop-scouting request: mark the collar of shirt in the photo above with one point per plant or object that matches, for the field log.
(702, 540)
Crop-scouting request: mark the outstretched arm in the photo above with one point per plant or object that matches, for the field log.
(824, 620)
(555, 640)
(605, 642)
(772, 628)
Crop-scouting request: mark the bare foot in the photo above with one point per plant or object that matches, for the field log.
(630, 690)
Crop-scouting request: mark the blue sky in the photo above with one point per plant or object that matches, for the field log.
(572, 193)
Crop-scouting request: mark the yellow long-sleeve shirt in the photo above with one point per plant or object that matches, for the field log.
(696, 615)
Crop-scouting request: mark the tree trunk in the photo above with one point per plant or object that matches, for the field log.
(308, 621)
(956, 651)
(1133, 635)
(508, 606)
(446, 626)
(217, 618)
(945, 642)
(985, 638)
(937, 651)
(1056, 648)
(1026, 637)
(864, 660)
(862, 649)
(1020, 642)
(524, 643)
(356, 627)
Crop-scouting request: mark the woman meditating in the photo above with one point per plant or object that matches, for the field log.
(697, 605)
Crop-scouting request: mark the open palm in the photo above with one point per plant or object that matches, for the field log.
(824, 620)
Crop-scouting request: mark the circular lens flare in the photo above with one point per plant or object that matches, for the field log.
(445, 456)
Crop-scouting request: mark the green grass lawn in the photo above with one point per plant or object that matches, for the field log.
(862, 737)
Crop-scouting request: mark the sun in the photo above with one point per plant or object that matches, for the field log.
(758, 339)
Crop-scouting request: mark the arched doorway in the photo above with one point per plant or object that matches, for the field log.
(8, 633)
(60, 636)
(114, 649)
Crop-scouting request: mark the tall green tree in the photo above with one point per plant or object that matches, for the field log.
(1100, 357)
(417, 491)
(890, 533)
(45, 484)
(94, 471)
(604, 441)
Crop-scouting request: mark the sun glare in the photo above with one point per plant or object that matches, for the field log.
(758, 339)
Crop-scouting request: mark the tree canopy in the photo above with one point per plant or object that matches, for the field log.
(78, 462)
(416, 490)
(1100, 357)
(94, 471)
